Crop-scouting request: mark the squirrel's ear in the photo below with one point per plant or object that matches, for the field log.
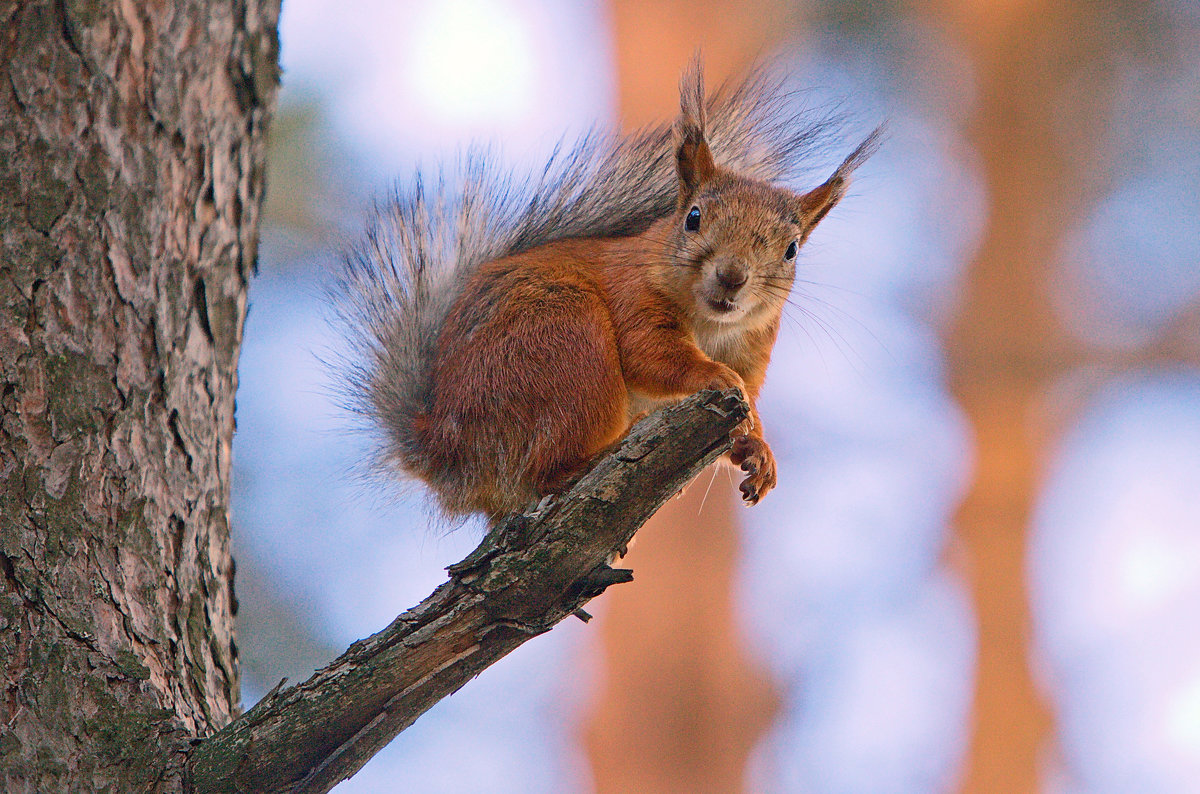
(816, 204)
(693, 160)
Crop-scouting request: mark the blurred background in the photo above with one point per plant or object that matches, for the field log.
(980, 571)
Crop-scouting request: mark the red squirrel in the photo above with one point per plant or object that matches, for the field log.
(509, 332)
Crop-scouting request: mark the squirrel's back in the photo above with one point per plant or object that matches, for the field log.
(401, 285)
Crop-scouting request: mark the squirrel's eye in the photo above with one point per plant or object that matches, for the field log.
(790, 253)
(692, 222)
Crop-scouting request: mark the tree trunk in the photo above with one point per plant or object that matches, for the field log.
(1007, 349)
(131, 176)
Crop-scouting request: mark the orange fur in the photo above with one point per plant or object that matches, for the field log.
(546, 356)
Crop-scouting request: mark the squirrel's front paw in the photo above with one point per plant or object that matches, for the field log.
(753, 456)
(726, 378)
(723, 378)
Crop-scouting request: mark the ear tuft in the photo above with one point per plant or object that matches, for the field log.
(816, 204)
(860, 155)
(694, 160)
(691, 95)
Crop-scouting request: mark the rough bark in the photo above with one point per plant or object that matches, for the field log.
(131, 175)
(528, 574)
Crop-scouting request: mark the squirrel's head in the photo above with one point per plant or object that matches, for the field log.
(736, 240)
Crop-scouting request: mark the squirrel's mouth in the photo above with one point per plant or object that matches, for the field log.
(721, 306)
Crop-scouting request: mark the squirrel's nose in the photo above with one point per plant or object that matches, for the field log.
(731, 276)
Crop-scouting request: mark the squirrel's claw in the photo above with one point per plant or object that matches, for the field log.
(754, 457)
(750, 494)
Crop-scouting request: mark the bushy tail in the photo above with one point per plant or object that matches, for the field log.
(399, 283)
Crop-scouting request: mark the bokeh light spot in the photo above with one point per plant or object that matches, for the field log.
(472, 61)
(1183, 720)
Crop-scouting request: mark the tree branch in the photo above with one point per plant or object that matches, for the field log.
(528, 574)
